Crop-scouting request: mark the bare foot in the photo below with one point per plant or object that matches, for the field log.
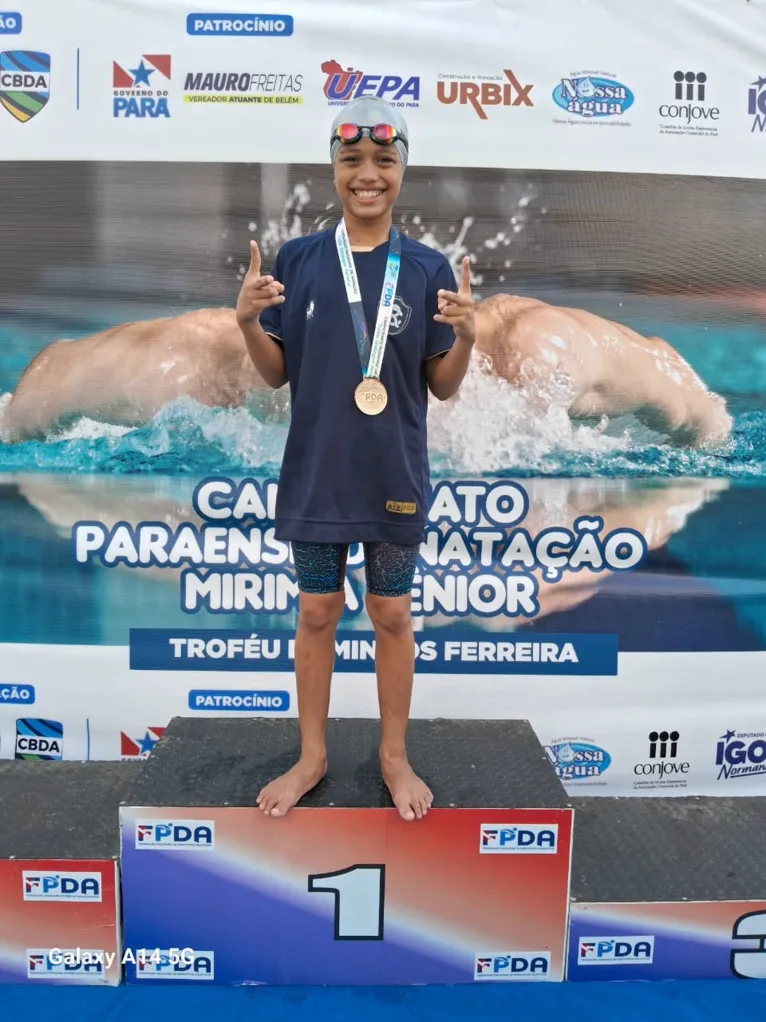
(411, 796)
(281, 794)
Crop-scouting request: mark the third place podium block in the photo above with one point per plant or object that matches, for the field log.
(342, 890)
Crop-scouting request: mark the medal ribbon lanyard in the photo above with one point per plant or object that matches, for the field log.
(370, 355)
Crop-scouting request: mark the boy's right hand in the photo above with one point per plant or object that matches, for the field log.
(257, 293)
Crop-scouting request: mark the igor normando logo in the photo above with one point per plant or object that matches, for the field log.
(740, 754)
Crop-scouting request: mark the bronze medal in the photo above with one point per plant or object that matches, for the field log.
(370, 396)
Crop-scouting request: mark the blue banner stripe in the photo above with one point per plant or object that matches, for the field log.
(457, 651)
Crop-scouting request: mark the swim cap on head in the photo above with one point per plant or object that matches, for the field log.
(367, 111)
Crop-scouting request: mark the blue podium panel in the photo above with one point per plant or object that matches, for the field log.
(667, 940)
(345, 896)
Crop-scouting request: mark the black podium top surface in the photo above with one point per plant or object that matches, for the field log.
(55, 810)
(669, 849)
(467, 764)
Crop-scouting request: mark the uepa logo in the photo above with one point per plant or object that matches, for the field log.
(343, 85)
(172, 834)
(533, 839)
(615, 950)
(61, 886)
(513, 965)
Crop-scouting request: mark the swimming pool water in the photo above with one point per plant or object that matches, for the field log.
(489, 429)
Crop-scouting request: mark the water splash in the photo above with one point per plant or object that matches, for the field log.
(490, 428)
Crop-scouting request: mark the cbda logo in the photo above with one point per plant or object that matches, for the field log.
(239, 24)
(156, 834)
(615, 950)
(166, 965)
(344, 85)
(10, 23)
(512, 965)
(25, 82)
(532, 839)
(61, 886)
(142, 91)
(593, 96)
(741, 754)
(39, 739)
(577, 759)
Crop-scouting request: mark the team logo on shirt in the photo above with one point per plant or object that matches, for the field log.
(400, 317)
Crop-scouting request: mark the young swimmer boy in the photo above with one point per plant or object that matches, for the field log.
(361, 321)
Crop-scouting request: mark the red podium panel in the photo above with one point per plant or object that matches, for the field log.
(59, 921)
(346, 896)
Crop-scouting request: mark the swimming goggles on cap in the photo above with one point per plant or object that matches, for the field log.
(383, 134)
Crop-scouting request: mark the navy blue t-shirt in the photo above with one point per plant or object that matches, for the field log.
(348, 477)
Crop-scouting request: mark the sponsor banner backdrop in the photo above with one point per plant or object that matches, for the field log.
(60, 921)
(347, 896)
(688, 940)
(594, 557)
(668, 88)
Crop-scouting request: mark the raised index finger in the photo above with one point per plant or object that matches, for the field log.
(255, 258)
(465, 276)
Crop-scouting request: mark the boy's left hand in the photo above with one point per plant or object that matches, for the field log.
(457, 309)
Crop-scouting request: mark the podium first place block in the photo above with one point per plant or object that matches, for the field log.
(342, 890)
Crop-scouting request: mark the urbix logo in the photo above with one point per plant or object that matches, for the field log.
(61, 886)
(170, 834)
(341, 86)
(513, 965)
(615, 950)
(141, 91)
(532, 839)
(480, 93)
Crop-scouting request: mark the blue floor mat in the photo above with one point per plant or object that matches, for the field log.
(688, 1001)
